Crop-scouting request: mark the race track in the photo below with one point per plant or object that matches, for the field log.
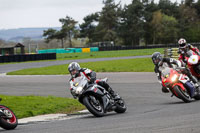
(149, 110)
(18, 66)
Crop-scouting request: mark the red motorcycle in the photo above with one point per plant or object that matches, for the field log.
(179, 84)
(193, 62)
(8, 120)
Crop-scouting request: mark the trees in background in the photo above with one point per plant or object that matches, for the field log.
(164, 28)
(67, 31)
(132, 25)
(155, 23)
(88, 27)
(106, 29)
(189, 21)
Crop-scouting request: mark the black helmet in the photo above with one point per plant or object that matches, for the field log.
(74, 69)
(156, 58)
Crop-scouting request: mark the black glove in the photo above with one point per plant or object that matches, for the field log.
(189, 45)
(92, 80)
(92, 77)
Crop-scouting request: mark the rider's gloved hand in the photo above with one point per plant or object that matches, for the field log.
(92, 80)
(189, 45)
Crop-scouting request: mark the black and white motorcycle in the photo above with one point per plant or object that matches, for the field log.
(95, 98)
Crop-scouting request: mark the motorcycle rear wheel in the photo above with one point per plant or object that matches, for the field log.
(97, 111)
(8, 123)
(121, 106)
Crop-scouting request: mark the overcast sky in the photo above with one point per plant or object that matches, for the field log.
(45, 13)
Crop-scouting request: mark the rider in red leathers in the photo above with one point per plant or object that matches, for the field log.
(183, 48)
(161, 63)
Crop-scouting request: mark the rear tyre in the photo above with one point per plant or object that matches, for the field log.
(182, 94)
(9, 121)
(95, 108)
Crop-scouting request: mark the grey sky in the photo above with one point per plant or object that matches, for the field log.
(45, 13)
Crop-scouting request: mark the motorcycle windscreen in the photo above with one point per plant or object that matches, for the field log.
(166, 72)
(79, 83)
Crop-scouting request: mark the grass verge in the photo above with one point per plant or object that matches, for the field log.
(124, 65)
(27, 106)
(106, 54)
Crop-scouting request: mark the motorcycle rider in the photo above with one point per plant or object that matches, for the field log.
(183, 48)
(160, 63)
(75, 70)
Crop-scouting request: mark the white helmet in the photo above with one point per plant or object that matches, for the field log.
(74, 69)
(182, 43)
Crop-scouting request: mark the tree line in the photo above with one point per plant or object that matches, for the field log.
(140, 21)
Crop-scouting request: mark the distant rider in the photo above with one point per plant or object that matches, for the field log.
(183, 48)
(160, 63)
(75, 70)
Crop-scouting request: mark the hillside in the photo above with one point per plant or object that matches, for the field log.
(17, 35)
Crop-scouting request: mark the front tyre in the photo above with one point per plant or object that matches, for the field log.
(182, 94)
(8, 120)
(93, 105)
(120, 106)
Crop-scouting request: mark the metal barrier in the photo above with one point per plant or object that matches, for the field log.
(171, 52)
(109, 48)
(28, 57)
(69, 50)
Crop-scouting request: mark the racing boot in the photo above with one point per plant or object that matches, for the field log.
(114, 95)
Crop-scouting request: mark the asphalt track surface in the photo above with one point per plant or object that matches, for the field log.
(14, 67)
(149, 110)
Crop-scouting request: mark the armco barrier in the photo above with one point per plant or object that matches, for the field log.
(171, 52)
(27, 57)
(94, 49)
(69, 50)
(109, 48)
(85, 50)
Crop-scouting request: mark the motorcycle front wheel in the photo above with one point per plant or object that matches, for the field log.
(94, 105)
(8, 119)
(182, 94)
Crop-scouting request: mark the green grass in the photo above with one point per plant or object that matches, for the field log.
(104, 54)
(125, 65)
(26, 106)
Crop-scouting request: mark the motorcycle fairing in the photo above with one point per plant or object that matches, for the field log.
(193, 60)
(96, 90)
